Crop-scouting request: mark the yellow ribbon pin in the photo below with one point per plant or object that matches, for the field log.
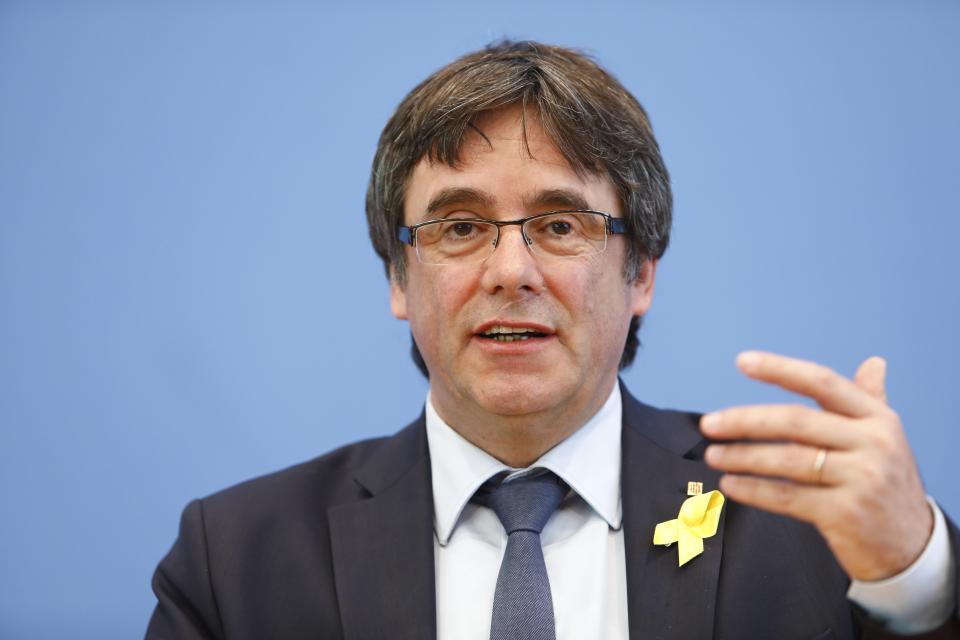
(698, 519)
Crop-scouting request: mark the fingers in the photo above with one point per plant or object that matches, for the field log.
(794, 462)
(871, 377)
(832, 391)
(780, 422)
(799, 501)
(847, 469)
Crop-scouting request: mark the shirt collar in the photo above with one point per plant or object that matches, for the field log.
(588, 460)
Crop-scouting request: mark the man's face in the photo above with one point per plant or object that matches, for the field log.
(582, 305)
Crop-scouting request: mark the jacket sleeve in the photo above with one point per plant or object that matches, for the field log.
(186, 604)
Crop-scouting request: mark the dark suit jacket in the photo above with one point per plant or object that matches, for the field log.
(342, 547)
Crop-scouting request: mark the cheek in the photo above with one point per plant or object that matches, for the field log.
(597, 301)
(435, 306)
(585, 290)
(449, 291)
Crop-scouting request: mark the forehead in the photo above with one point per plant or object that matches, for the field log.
(507, 163)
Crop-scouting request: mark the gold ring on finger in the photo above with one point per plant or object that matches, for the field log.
(818, 463)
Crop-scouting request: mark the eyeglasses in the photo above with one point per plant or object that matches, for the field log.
(556, 234)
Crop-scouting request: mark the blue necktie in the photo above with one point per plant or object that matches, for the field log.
(522, 605)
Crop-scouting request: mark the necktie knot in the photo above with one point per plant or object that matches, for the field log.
(525, 503)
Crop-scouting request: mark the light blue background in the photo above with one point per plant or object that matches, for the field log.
(188, 297)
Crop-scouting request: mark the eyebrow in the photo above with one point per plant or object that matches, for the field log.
(556, 199)
(452, 196)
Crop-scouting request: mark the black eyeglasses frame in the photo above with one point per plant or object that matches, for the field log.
(408, 234)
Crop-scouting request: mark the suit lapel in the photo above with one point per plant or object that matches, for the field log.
(661, 453)
(383, 545)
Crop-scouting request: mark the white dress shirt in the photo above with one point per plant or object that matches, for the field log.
(583, 544)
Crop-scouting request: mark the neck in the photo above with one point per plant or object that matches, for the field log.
(518, 440)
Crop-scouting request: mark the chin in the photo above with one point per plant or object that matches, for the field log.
(516, 395)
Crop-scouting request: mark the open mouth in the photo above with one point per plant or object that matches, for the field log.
(510, 334)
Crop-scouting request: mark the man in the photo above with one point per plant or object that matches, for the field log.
(520, 205)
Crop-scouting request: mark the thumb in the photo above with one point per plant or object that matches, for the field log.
(872, 377)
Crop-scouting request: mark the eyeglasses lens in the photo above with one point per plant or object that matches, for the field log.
(563, 235)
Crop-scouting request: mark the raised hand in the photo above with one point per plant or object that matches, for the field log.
(846, 468)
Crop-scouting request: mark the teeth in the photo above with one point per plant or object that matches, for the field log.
(499, 329)
(510, 338)
(501, 333)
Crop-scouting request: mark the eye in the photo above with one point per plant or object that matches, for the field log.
(462, 229)
(560, 227)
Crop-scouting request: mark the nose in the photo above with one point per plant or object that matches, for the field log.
(511, 269)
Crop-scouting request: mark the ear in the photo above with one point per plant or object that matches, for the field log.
(398, 297)
(641, 291)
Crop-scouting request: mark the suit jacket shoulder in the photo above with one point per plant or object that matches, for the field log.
(258, 559)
